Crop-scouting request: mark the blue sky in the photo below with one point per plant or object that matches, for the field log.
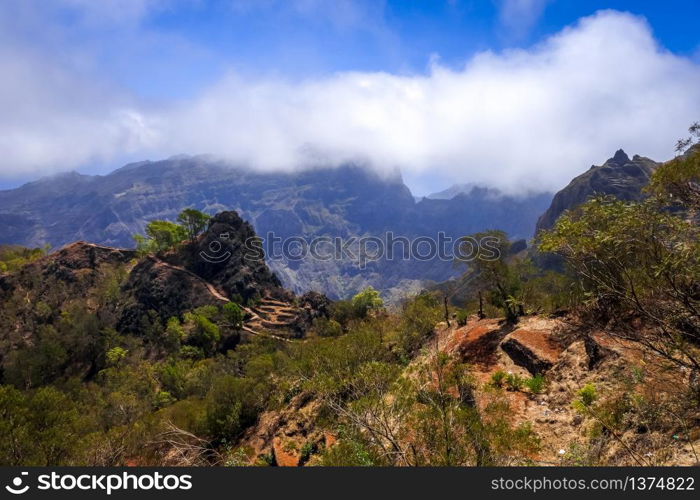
(93, 84)
(175, 48)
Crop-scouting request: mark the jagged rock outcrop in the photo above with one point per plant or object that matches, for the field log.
(618, 176)
(221, 266)
(226, 255)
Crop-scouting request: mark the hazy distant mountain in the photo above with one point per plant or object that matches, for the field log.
(345, 201)
(452, 191)
(618, 176)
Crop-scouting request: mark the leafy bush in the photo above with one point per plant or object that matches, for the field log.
(587, 395)
(233, 314)
(514, 382)
(306, 451)
(115, 355)
(418, 320)
(365, 301)
(462, 316)
(535, 384)
(203, 333)
(325, 327)
(636, 259)
(498, 378)
(14, 257)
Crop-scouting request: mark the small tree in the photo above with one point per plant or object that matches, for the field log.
(677, 182)
(163, 235)
(491, 270)
(367, 300)
(636, 259)
(233, 315)
(193, 221)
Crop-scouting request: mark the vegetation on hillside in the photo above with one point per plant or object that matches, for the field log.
(13, 257)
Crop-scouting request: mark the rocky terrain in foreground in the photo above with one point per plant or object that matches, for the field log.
(567, 356)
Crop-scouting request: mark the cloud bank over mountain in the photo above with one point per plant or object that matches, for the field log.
(526, 119)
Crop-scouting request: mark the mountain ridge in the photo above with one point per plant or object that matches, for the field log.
(619, 176)
(346, 201)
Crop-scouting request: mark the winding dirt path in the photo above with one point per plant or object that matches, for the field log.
(253, 320)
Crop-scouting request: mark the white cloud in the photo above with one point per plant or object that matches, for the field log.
(518, 120)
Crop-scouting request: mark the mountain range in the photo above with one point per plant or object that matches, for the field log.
(345, 202)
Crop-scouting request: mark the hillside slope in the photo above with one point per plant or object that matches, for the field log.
(567, 356)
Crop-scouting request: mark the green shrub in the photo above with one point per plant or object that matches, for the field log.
(174, 334)
(306, 451)
(324, 327)
(191, 352)
(462, 315)
(587, 395)
(265, 460)
(367, 300)
(163, 399)
(514, 382)
(204, 333)
(233, 314)
(420, 315)
(535, 384)
(348, 453)
(342, 312)
(115, 355)
(498, 378)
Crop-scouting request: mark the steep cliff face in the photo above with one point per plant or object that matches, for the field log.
(226, 256)
(619, 176)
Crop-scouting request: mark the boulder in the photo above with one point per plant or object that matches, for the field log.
(596, 352)
(534, 350)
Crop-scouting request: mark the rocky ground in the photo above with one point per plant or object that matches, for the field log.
(536, 345)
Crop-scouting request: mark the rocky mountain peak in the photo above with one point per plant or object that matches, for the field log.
(620, 158)
(619, 176)
(225, 255)
(220, 266)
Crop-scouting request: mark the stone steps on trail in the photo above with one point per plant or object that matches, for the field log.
(274, 302)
